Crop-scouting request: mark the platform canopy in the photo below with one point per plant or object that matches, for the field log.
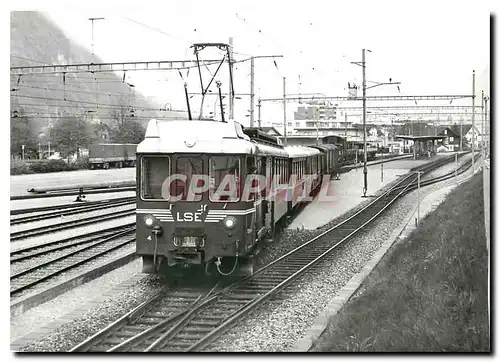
(420, 138)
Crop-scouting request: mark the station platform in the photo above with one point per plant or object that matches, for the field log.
(347, 192)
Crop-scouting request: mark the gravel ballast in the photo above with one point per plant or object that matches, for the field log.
(277, 326)
(97, 315)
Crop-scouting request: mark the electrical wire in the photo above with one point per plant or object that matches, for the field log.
(158, 30)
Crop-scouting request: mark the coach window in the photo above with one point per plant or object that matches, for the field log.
(282, 172)
(287, 171)
(154, 171)
(225, 171)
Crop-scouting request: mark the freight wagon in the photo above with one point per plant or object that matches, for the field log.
(108, 155)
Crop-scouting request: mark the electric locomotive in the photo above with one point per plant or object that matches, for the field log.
(210, 192)
(184, 218)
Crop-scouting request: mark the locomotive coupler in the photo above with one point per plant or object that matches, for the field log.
(218, 261)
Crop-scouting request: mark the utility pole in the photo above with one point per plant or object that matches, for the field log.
(365, 170)
(231, 90)
(461, 133)
(418, 198)
(92, 61)
(92, 20)
(252, 84)
(317, 127)
(284, 108)
(299, 87)
(258, 114)
(473, 112)
(251, 90)
(363, 65)
(482, 120)
(486, 99)
(346, 126)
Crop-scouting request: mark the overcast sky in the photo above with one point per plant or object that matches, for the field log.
(431, 48)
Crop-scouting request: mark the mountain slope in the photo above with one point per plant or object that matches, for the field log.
(35, 40)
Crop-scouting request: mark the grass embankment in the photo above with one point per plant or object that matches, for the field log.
(429, 293)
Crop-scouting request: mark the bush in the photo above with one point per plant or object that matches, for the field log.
(49, 166)
(80, 163)
(19, 167)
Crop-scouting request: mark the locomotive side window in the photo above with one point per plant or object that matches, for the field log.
(154, 171)
(188, 166)
(224, 179)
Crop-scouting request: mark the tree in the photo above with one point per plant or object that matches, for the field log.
(21, 133)
(125, 128)
(70, 133)
(131, 132)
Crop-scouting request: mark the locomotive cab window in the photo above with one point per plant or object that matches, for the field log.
(188, 166)
(224, 179)
(154, 171)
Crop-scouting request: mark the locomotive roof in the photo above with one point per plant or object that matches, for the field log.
(299, 151)
(200, 136)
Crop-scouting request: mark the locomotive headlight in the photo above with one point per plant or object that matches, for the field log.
(148, 220)
(229, 222)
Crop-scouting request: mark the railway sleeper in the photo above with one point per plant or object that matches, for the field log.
(191, 296)
(148, 322)
(176, 343)
(186, 336)
(219, 317)
(266, 280)
(134, 328)
(125, 333)
(113, 341)
(198, 329)
(99, 349)
(166, 314)
(266, 285)
(250, 287)
(238, 302)
(240, 295)
(206, 321)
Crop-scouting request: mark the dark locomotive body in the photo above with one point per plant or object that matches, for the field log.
(194, 220)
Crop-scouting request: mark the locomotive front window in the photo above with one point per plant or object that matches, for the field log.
(155, 169)
(188, 166)
(224, 179)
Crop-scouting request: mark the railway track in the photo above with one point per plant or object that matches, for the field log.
(31, 252)
(72, 191)
(461, 169)
(65, 210)
(138, 329)
(41, 230)
(70, 205)
(28, 273)
(204, 319)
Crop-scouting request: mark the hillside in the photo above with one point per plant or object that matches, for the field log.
(45, 98)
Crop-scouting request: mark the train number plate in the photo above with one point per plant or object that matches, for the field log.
(189, 241)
